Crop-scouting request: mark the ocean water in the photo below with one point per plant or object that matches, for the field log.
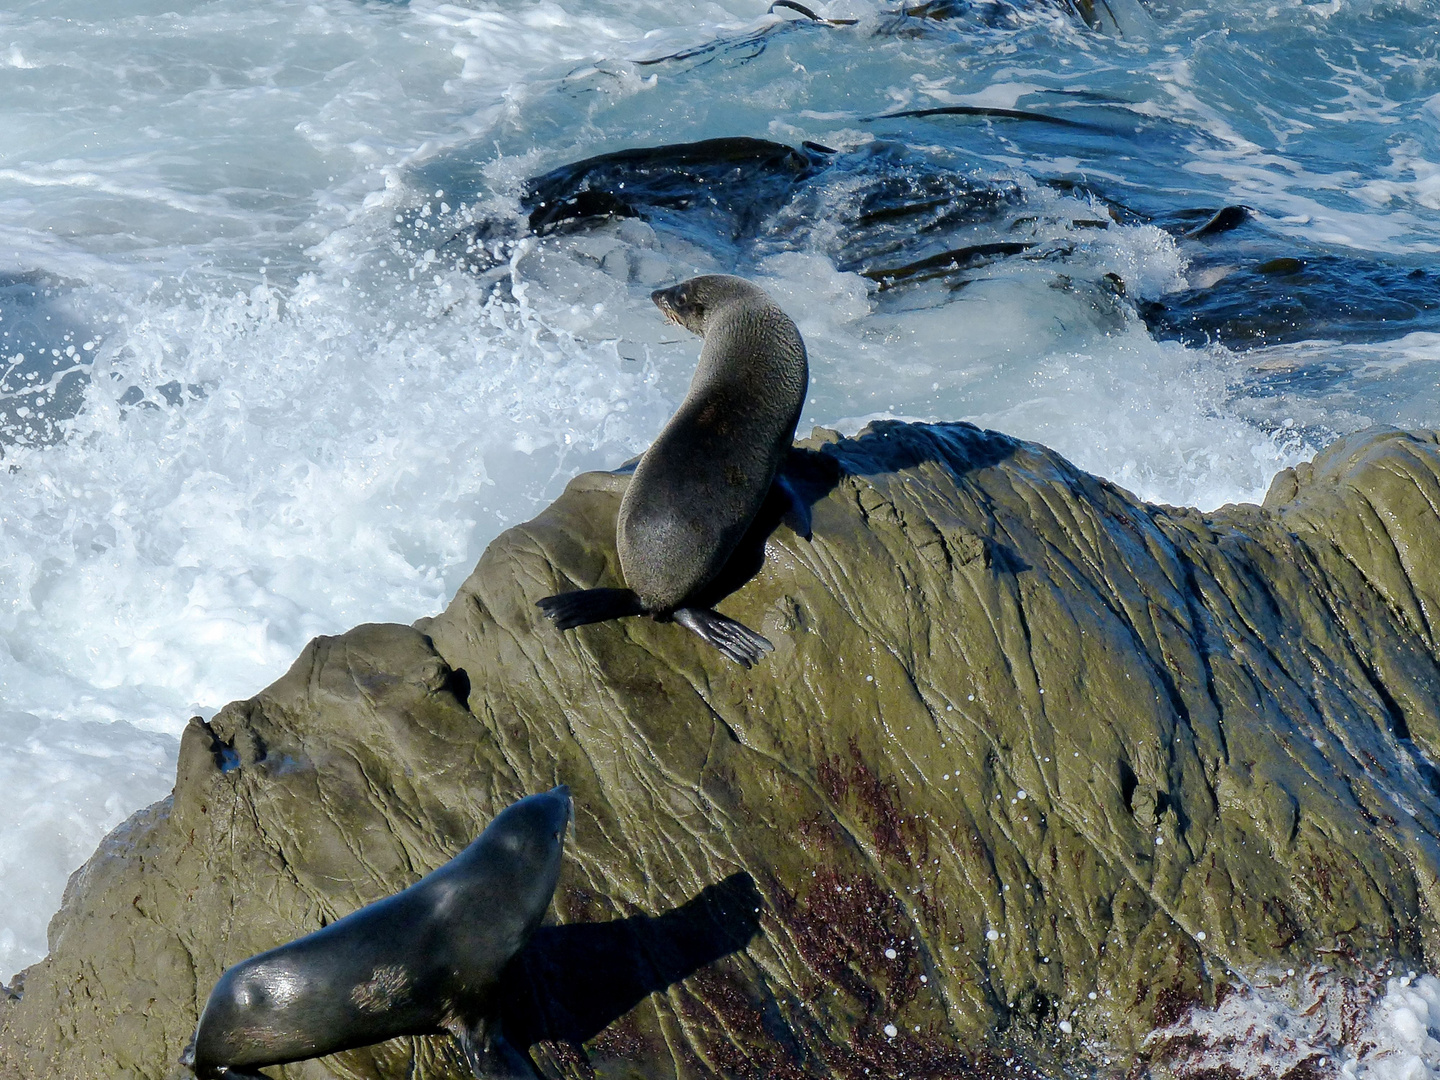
(280, 352)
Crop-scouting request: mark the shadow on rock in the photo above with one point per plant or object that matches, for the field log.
(809, 477)
(892, 446)
(885, 446)
(572, 982)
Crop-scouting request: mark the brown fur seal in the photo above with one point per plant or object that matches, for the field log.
(698, 488)
(421, 962)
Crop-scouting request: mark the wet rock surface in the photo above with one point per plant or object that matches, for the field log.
(1028, 750)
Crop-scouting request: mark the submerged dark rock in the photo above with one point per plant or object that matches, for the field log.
(1251, 302)
(985, 112)
(899, 216)
(884, 209)
(716, 193)
(726, 185)
(1222, 221)
(945, 263)
(1023, 740)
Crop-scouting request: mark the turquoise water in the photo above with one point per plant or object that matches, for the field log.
(255, 388)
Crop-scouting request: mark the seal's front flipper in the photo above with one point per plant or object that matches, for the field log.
(736, 640)
(491, 1056)
(797, 511)
(573, 609)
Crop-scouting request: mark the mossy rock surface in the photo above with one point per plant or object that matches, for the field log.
(1023, 739)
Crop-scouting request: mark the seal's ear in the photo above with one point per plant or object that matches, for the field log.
(491, 1056)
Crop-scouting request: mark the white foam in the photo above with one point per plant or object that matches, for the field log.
(1065, 366)
(1374, 1026)
(344, 442)
(65, 783)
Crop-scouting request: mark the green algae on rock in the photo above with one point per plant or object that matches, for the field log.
(1027, 750)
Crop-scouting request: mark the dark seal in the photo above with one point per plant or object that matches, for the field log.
(424, 961)
(699, 487)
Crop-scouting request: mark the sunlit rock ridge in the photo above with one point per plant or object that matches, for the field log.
(1034, 766)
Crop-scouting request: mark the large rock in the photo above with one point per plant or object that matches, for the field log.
(1027, 750)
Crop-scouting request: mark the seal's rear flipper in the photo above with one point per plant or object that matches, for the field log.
(491, 1056)
(736, 640)
(797, 511)
(573, 609)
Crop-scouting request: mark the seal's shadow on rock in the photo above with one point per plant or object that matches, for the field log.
(892, 446)
(885, 446)
(805, 478)
(571, 982)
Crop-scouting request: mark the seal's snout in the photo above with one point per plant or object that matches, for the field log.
(666, 301)
(684, 304)
(566, 814)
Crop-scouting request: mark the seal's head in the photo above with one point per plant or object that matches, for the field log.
(527, 838)
(260, 1009)
(691, 302)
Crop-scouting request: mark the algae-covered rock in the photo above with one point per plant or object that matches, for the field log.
(1027, 749)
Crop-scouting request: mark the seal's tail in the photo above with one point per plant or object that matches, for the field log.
(572, 609)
